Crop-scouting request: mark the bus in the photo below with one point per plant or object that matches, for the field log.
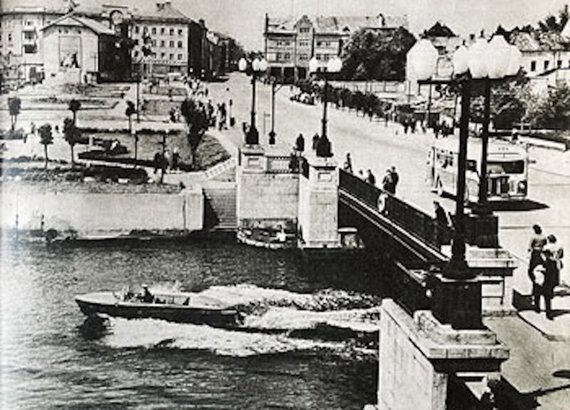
(507, 169)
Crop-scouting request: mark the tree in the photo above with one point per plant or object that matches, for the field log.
(509, 104)
(129, 113)
(74, 106)
(377, 55)
(71, 134)
(46, 138)
(197, 122)
(553, 110)
(555, 24)
(14, 105)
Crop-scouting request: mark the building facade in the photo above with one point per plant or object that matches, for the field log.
(151, 39)
(290, 43)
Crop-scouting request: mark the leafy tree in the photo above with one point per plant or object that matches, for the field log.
(555, 24)
(553, 110)
(74, 106)
(14, 105)
(197, 122)
(46, 138)
(130, 110)
(377, 55)
(509, 104)
(71, 134)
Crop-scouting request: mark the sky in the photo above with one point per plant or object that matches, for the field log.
(244, 19)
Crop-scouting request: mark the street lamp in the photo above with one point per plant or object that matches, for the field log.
(457, 296)
(253, 68)
(333, 66)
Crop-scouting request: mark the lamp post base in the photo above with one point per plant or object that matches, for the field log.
(457, 302)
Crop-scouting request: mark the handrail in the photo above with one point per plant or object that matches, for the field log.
(415, 221)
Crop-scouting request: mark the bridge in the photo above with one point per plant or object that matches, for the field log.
(433, 320)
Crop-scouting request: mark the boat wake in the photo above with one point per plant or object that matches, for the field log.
(275, 321)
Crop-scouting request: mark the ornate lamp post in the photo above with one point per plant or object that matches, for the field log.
(253, 68)
(333, 66)
(457, 295)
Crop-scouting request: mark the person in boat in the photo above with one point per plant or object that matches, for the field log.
(147, 296)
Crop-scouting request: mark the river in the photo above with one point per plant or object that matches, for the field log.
(304, 345)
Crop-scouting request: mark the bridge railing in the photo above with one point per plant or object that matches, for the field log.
(405, 215)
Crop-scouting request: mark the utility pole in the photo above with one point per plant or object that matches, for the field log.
(163, 161)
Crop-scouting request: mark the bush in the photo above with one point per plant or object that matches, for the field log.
(18, 134)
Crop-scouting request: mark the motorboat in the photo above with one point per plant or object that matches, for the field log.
(180, 307)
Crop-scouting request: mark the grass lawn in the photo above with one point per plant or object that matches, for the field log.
(209, 152)
(160, 107)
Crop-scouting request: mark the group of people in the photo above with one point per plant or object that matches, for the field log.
(545, 264)
(168, 160)
(389, 182)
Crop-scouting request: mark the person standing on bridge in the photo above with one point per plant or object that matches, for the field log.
(370, 178)
(300, 144)
(395, 178)
(348, 163)
(388, 182)
(441, 224)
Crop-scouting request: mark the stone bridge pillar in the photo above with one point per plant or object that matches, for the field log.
(418, 354)
(318, 203)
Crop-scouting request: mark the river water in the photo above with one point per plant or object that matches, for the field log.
(304, 345)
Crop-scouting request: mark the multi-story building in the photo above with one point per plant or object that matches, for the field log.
(290, 43)
(166, 32)
(172, 42)
(20, 40)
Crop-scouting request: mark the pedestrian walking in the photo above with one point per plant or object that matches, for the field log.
(535, 247)
(388, 182)
(175, 159)
(370, 178)
(348, 163)
(543, 277)
(300, 143)
(315, 141)
(557, 254)
(395, 178)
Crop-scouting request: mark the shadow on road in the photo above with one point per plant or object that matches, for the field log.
(519, 206)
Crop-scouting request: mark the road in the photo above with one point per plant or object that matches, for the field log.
(375, 146)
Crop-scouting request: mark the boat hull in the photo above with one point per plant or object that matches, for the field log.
(217, 317)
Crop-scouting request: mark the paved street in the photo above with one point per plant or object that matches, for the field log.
(374, 146)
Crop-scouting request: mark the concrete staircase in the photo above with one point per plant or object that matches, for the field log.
(220, 211)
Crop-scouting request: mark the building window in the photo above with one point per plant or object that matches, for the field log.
(30, 48)
(153, 55)
(180, 44)
(277, 56)
(162, 30)
(546, 64)
(137, 29)
(163, 55)
(171, 43)
(153, 30)
(286, 56)
(29, 35)
(304, 29)
(559, 64)
(303, 56)
(304, 44)
(135, 54)
(180, 56)
(171, 56)
(28, 22)
(180, 32)
(9, 36)
(319, 57)
(533, 65)
(171, 31)
(153, 43)
(162, 43)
